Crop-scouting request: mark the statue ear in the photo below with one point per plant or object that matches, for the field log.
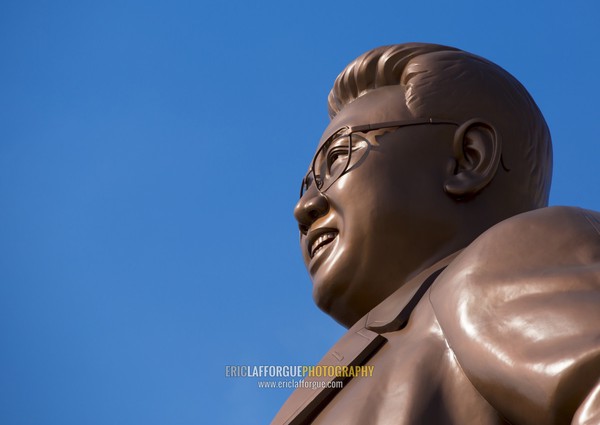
(477, 151)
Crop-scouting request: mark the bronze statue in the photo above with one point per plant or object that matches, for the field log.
(425, 229)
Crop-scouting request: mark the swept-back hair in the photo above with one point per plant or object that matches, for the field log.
(446, 82)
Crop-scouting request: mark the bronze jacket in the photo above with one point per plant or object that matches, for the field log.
(508, 333)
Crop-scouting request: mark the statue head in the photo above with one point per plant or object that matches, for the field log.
(428, 146)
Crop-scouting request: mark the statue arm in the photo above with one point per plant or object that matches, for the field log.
(520, 308)
(589, 412)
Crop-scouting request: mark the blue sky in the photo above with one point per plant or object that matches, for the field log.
(150, 159)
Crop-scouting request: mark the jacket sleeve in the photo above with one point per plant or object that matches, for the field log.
(520, 309)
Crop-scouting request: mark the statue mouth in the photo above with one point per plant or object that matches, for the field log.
(319, 241)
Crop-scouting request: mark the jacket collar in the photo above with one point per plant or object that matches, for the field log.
(358, 344)
(392, 313)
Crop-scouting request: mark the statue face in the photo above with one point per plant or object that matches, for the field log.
(384, 217)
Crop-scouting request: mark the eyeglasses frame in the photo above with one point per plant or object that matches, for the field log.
(360, 129)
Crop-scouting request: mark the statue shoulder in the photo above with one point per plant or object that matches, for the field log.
(543, 241)
(520, 309)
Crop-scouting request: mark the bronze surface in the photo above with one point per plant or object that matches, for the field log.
(425, 230)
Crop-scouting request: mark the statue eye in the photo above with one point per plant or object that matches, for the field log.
(336, 157)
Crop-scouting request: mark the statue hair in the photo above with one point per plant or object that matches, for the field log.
(441, 82)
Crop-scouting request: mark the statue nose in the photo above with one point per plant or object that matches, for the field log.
(309, 208)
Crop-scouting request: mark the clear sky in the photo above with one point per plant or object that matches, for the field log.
(150, 157)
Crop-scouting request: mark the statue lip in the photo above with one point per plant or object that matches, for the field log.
(317, 239)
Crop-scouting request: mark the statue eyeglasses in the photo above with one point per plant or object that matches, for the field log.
(334, 157)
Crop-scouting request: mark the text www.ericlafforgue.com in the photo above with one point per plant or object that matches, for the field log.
(313, 385)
